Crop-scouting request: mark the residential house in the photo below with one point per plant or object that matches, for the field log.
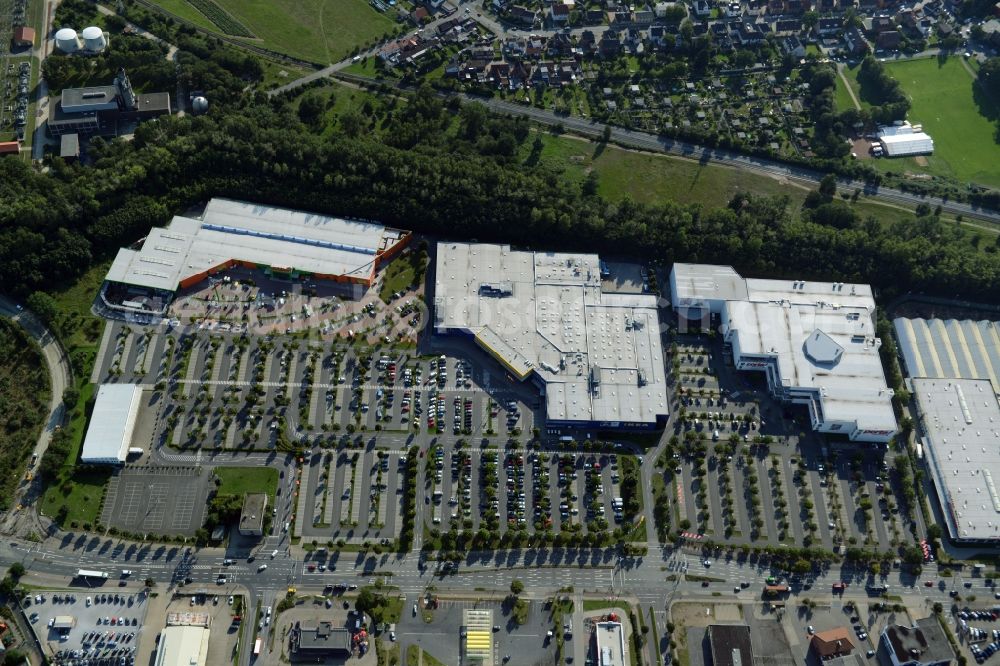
(611, 44)
(833, 643)
(560, 44)
(828, 26)
(523, 16)
(748, 34)
(559, 12)
(514, 48)
(793, 46)
(643, 17)
(826, 5)
(855, 43)
(419, 15)
(594, 16)
(632, 40)
(734, 10)
(797, 7)
(587, 42)
(889, 40)
(702, 9)
(786, 27)
(880, 24)
(658, 36)
(534, 46)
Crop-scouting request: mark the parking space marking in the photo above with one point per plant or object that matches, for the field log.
(156, 506)
(183, 511)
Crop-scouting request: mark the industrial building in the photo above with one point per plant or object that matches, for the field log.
(924, 644)
(102, 110)
(815, 342)
(610, 639)
(730, 645)
(953, 368)
(478, 645)
(23, 36)
(904, 140)
(957, 349)
(111, 424)
(279, 241)
(184, 641)
(91, 41)
(252, 514)
(959, 421)
(597, 356)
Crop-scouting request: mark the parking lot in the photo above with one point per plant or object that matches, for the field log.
(245, 300)
(160, 500)
(227, 391)
(744, 468)
(530, 491)
(89, 628)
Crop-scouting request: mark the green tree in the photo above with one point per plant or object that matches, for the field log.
(516, 586)
(44, 306)
(311, 107)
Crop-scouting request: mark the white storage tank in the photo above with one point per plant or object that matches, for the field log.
(199, 104)
(93, 39)
(67, 41)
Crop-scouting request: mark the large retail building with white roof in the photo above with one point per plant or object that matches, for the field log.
(278, 241)
(815, 342)
(954, 372)
(596, 355)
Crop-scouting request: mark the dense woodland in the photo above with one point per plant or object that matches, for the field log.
(24, 396)
(426, 164)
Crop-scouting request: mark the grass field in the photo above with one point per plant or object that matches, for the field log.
(240, 480)
(842, 97)
(81, 493)
(654, 179)
(961, 120)
(321, 31)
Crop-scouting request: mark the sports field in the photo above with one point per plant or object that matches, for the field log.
(962, 121)
(320, 31)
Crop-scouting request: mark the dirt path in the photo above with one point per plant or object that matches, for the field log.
(850, 90)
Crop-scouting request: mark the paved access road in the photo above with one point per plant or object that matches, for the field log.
(60, 377)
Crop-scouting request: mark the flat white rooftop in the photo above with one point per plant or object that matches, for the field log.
(610, 644)
(905, 139)
(256, 234)
(960, 419)
(830, 351)
(598, 354)
(820, 336)
(111, 423)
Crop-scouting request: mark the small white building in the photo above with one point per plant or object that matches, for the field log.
(904, 140)
(112, 424)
